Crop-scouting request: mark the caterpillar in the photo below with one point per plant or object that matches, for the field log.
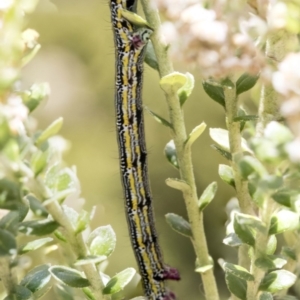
(130, 46)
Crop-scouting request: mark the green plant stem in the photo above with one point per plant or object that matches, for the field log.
(7, 276)
(241, 185)
(79, 248)
(261, 242)
(184, 157)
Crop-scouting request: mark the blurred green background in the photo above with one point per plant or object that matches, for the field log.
(77, 59)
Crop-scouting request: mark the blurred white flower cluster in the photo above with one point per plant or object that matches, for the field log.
(219, 40)
(286, 82)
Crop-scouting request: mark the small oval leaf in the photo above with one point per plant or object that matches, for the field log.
(187, 89)
(277, 280)
(39, 227)
(236, 285)
(179, 224)
(170, 153)
(33, 245)
(238, 271)
(245, 83)
(158, 118)
(51, 130)
(226, 174)
(171, 83)
(214, 92)
(193, 136)
(36, 278)
(207, 195)
(102, 241)
(119, 281)
(284, 220)
(68, 276)
(8, 244)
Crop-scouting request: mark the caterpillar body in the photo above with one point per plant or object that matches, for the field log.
(130, 46)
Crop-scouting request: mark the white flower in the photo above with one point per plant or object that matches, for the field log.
(196, 13)
(291, 106)
(5, 4)
(212, 32)
(287, 78)
(169, 32)
(293, 150)
(277, 15)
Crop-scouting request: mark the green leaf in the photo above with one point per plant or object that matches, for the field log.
(283, 197)
(272, 182)
(187, 89)
(250, 221)
(249, 165)
(284, 220)
(214, 92)
(68, 276)
(207, 195)
(268, 262)
(236, 286)
(170, 153)
(119, 281)
(33, 245)
(91, 259)
(82, 221)
(36, 206)
(134, 19)
(158, 118)
(226, 174)
(265, 296)
(88, 293)
(179, 224)
(232, 240)
(150, 57)
(177, 184)
(196, 132)
(59, 235)
(102, 241)
(245, 83)
(244, 232)
(289, 253)
(22, 293)
(38, 227)
(220, 136)
(245, 118)
(35, 95)
(10, 222)
(277, 281)
(203, 269)
(8, 244)
(223, 152)
(271, 245)
(38, 161)
(50, 131)
(238, 271)
(36, 278)
(171, 83)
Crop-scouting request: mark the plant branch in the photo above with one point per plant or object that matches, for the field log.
(183, 156)
(79, 248)
(6, 275)
(241, 185)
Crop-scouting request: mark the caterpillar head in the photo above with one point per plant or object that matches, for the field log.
(141, 37)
